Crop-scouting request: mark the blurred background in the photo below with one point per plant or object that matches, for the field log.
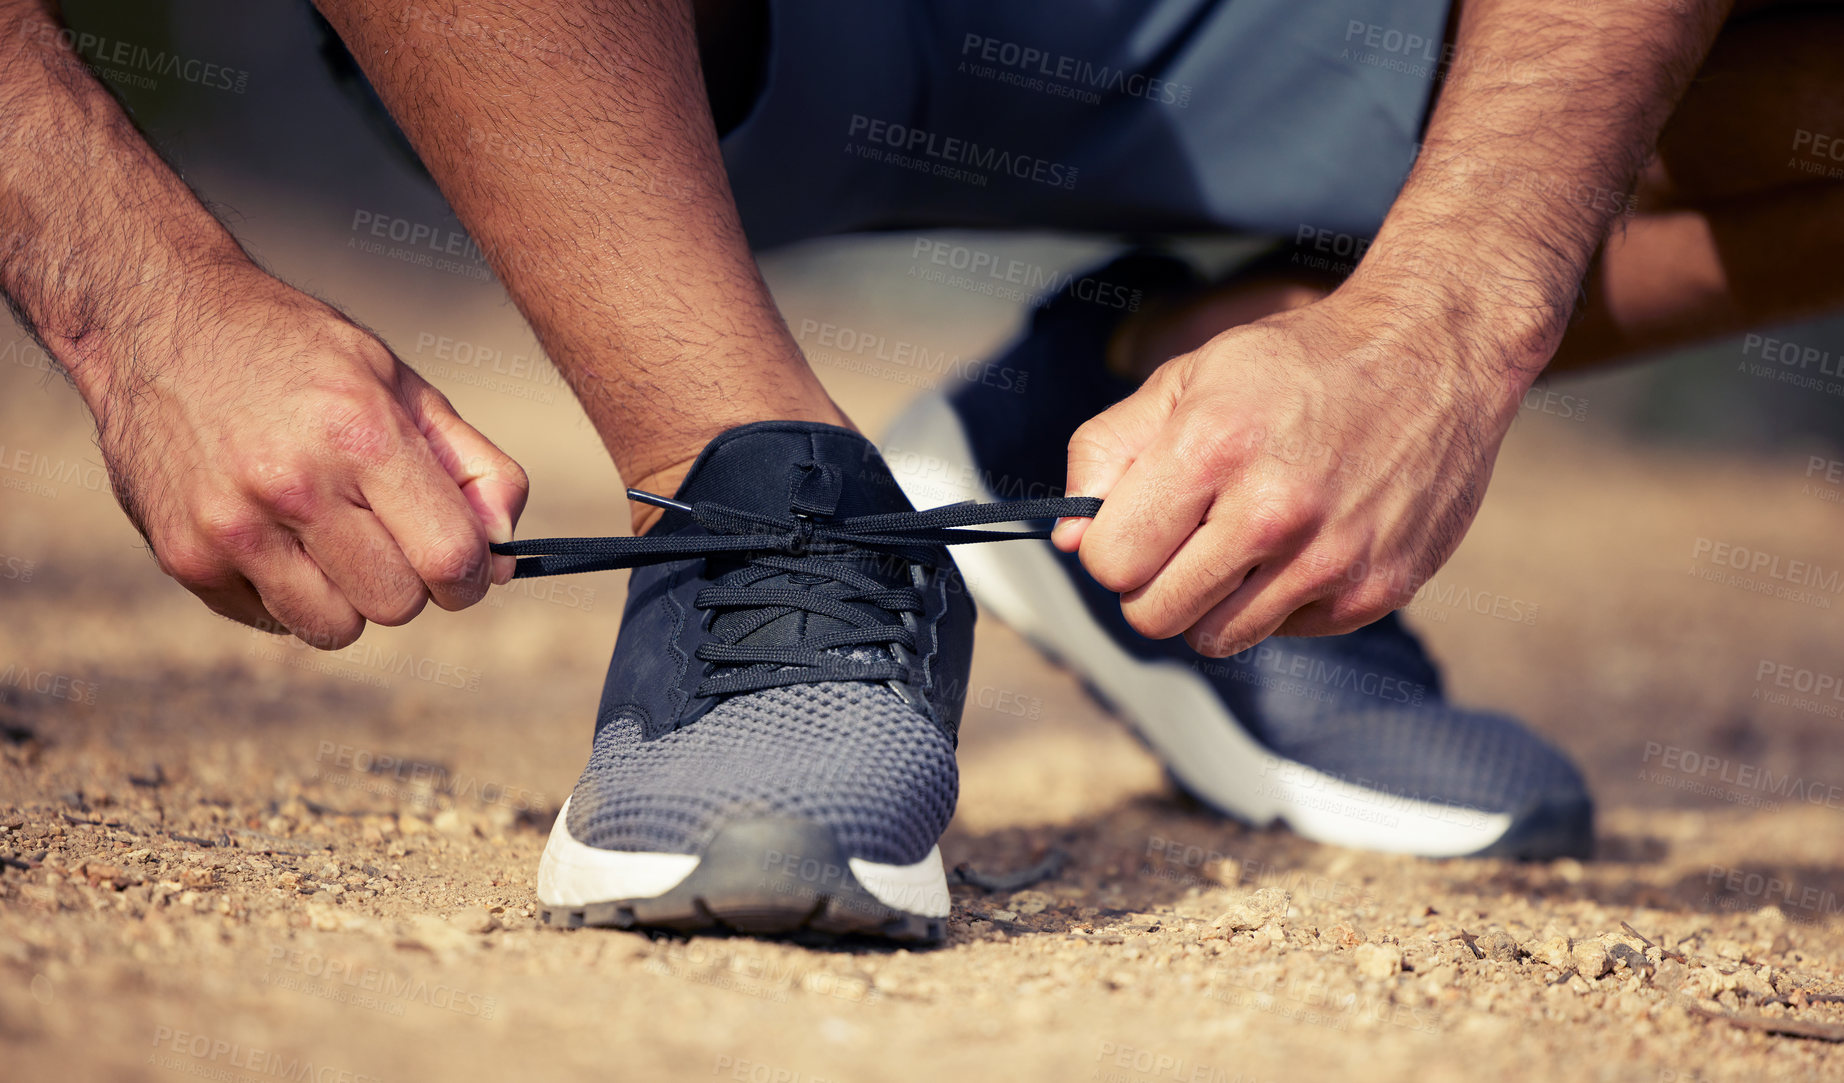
(1610, 493)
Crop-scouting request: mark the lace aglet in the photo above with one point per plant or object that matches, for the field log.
(642, 497)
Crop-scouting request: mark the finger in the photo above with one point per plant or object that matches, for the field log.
(495, 486)
(420, 505)
(1106, 446)
(1252, 612)
(1206, 569)
(301, 597)
(237, 599)
(362, 559)
(1158, 502)
(206, 561)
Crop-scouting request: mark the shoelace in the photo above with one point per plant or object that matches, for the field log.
(773, 546)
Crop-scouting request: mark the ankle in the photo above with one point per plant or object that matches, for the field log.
(663, 482)
(664, 475)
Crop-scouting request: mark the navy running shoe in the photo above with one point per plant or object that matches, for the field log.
(774, 751)
(1347, 739)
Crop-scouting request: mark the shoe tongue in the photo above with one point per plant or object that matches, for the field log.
(771, 467)
(776, 468)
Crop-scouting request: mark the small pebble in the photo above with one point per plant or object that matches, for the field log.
(1498, 945)
(474, 919)
(1591, 959)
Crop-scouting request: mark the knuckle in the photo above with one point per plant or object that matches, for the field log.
(1373, 600)
(1210, 449)
(1275, 518)
(1218, 642)
(1151, 617)
(511, 473)
(1326, 572)
(399, 610)
(287, 488)
(231, 532)
(192, 563)
(331, 635)
(1108, 570)
(360, 426)
(452, 562)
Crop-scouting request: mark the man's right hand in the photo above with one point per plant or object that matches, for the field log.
(288, 469)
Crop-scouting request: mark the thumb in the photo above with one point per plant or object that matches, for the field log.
(1107, 444)
(494, 485)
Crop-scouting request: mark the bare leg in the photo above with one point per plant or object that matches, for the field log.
(574, 140)
(1729, 234)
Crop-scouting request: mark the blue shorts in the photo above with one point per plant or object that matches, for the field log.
(1118, 116)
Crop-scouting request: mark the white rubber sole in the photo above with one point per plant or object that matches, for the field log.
(572, 874)
(1172, 706)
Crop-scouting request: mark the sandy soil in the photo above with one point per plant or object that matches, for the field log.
(229, 858)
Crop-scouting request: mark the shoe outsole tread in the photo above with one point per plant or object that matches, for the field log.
(761, 878)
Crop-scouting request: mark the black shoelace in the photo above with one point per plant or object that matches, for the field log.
(818, 551)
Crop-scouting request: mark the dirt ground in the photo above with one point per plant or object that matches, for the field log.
(231, 858)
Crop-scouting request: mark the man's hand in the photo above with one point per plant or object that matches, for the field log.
(289, 470)
(284, 465)
(1304, 475)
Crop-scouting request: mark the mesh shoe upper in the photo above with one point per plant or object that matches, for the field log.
(795, 644)
(851, 755)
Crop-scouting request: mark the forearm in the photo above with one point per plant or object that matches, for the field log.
(574, 141)
(1548, 113)
(97, 234)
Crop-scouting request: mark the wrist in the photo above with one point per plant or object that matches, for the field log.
(1480, 345)
(94, 320)
(1502, 323)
